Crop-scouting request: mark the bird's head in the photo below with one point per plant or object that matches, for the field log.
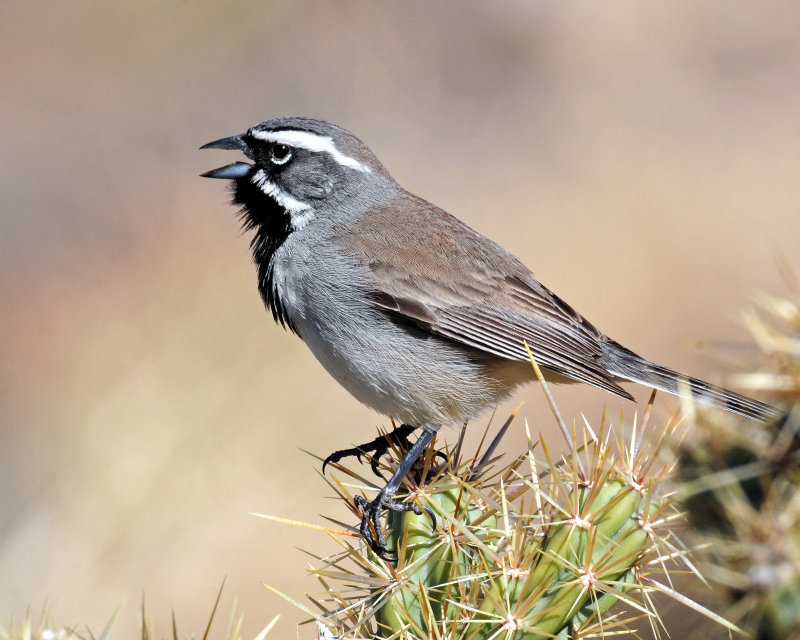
(300, 168)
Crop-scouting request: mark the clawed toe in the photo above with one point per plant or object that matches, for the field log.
(371, 513)
(378, 447)
(370, 528)
(341, 453)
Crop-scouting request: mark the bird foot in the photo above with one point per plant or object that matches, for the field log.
(371, 513)
(378, 447)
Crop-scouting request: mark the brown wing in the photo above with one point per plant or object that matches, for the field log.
(473, 291)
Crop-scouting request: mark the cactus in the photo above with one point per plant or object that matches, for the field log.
(740, 485)
(554, 568)
(529, 550)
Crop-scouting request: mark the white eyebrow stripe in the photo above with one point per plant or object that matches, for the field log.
(310, 142)
(291, 204)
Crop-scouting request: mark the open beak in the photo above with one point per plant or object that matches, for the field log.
(235, 169)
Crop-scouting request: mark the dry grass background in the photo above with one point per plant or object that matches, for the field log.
(642, 158)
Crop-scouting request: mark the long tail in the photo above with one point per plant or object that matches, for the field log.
(628, 365)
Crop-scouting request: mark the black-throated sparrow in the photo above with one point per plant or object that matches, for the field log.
(414, 313)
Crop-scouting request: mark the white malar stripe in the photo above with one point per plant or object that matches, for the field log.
(300, 212)
(310, 142)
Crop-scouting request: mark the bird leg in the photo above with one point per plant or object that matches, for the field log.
(371, 512)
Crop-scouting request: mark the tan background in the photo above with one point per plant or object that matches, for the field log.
(642, 158)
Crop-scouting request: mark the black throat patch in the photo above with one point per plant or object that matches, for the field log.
(272, 225)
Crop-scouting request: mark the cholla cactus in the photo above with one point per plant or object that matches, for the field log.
(741, 484)
(46, 629)
(533, 549)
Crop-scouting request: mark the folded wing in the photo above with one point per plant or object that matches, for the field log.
(474, 292)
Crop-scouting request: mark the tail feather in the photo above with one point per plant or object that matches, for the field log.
(629, 366)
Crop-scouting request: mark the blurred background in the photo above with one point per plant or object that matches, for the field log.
(642, 158)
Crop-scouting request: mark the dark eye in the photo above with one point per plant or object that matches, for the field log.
(280, 154)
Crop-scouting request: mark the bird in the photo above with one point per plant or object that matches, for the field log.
(413, 312)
